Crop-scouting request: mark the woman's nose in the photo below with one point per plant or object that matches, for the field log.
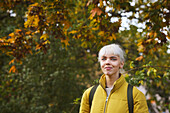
(107, 61)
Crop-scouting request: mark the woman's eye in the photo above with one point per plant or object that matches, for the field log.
(113, 59)
(103, 58)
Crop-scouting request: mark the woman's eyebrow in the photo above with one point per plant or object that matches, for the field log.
(103, 56)
(113, 56)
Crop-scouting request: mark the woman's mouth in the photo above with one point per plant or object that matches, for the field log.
(108, 68)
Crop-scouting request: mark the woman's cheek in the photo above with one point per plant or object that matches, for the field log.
(101, 64)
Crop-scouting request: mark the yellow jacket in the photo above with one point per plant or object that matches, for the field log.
(117, 101)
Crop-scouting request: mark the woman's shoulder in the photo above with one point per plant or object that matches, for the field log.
(87, 91)
(138, 94)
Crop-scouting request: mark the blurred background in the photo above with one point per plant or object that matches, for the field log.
(49, 50)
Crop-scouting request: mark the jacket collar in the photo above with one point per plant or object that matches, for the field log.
(117, 84)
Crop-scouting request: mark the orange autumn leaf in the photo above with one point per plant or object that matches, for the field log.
(168, 37)
(149, 40)
(18, 30)
(139, 58)
(65, 41)
(38, 47)
(12, 61)
(12, 69)
(28, 33)
(96, 10)
(11, 34)
(88, 3)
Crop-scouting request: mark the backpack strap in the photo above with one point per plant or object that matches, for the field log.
(92, 94)
(130, 98)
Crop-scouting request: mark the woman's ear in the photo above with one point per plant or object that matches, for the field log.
(121, 65)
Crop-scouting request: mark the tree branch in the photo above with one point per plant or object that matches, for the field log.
(146, 67)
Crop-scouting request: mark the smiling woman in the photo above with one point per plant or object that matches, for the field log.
(111, 58)
(111, 93)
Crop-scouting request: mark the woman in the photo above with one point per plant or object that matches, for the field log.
(111, 94)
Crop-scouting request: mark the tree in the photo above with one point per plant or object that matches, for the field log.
(88, 25)
(47, 82)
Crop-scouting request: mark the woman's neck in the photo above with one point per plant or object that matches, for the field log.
(111, 79)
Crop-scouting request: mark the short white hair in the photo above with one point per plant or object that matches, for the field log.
(112, 49)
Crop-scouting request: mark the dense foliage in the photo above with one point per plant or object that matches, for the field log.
(48, 50)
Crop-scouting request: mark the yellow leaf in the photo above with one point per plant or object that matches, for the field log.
(101, 33)
(73, 32)
(131, 65)
(84, 45)
(32, 21)
(50, 105)
(94, 28)
(47, 42)
(149, 71)
(78, 36)
(113, 37)
(35, 4)
(151, 33)
(154, 71)
(155, 34)
(141, 48)
(10, 80)
(159, 76)
(147, 15)
(9, 53)
(91, 17)
(141, 82)
(44, 36)
(140, 43)
(94, 20)
(11, 40)
(158, 84)
(101, 3)
(76, 12)
(36, 21)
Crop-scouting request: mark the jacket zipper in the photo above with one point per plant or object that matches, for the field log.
(107, 99)
(105, 106)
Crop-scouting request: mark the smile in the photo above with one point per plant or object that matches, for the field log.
(108, 68)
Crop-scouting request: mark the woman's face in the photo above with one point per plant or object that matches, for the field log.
(110, 64)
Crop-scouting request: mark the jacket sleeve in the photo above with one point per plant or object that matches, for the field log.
(140, 104)
(84, 106)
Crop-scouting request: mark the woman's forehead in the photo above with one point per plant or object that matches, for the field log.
(108, 51)
(109, 55)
